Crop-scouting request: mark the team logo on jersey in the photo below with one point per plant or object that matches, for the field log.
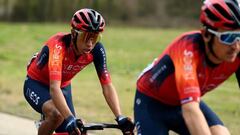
(189, 99)
(138, 126)
(138, 101)
(187, 65)
(56, 55)
(158, 72)
(56, 52)
(74, 67)
(33, 96)
(186, 100)
(192, 89)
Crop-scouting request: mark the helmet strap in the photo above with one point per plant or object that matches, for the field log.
(210, 47)
(74, 40)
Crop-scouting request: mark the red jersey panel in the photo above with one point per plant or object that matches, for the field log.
(57, 61)
(182, 73)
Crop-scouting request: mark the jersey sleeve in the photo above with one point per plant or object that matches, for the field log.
(55, 61)
(185, 63)
(100, 63)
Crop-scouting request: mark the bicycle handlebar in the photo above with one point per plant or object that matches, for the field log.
(98, 126)
(86, 126)
(93, 126)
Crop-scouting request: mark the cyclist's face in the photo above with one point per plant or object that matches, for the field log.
(86, 41)
(226, 52)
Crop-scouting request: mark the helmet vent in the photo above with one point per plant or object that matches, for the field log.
(211, 15)
(222, 11)
(91, 18)
(83, 17)
(76, 19)
(102, 24)
(235, 12)
(235, 1)
(94, 13)
(98, 18)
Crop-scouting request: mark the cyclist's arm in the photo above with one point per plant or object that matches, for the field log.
(238, 76)
(58, 98)
(186, 61)
(56, 55)
(109, 92)
(195, 119)
(111, 98)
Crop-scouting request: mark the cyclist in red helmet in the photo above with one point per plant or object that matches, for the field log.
(47, 87)
(169, 90)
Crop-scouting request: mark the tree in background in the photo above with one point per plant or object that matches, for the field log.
(135, 12)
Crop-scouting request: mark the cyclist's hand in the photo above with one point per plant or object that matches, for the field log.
(80, 126)
(126, 125)
(72, 127)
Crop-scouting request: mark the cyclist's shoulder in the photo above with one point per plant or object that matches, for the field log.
(57, 36)
(99, 48)
(57, 39)
(188, 47)
(189, 38)
(99, 45)
(187, 42)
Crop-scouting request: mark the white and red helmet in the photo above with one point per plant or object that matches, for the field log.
(88, 20)
(221, 14)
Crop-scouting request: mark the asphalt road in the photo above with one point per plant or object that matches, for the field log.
(12, 125)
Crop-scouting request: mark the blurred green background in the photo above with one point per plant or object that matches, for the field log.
(137, 31)
(148, 13)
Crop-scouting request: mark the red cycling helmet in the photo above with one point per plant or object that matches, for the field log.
(88, 20)
(221, 14)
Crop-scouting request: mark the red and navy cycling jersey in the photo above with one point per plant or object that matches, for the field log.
(182, 73)
(57, 61)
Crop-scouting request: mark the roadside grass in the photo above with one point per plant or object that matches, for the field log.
(129, 51)
(225, 102)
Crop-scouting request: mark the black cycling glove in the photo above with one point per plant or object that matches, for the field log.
(125, 124)
(72, 127)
